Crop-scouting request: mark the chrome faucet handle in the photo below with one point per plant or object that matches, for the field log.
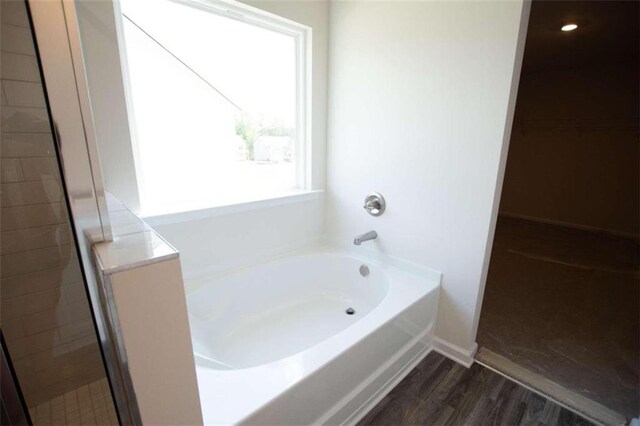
(374, 204)
(371, 204)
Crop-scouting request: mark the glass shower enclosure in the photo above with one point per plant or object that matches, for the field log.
(48, 322)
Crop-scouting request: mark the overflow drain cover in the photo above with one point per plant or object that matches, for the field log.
(350, 311)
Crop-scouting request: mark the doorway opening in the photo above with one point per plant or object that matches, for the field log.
(562, 299)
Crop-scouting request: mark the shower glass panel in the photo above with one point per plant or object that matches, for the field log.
(46, 318)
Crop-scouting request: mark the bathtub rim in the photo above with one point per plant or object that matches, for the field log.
(196, 279)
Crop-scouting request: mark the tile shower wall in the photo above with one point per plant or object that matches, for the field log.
(45, 315)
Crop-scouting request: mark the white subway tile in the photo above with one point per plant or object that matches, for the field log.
(74, 293)
(21, 119)
(36, 260)
(77, 311)
(56, 277)
(47, 214)
(71, 274)
(57, 235)
(71, 400)
(32, 216)
(23, 94)
(15, 286)
(40, 168)
(27, 145)
(42, 321)
(57, 403)
(10, 170)
(34, 381)
(20, 240)
(76, 330)
(42, 280)
(16, 39)
(12, 219)
(19, 67)
(27, 193)
(33, 363)
(96, 391)
(12, 307)
(14, 13)
(42, 301)
(84, 395)
(13, 330)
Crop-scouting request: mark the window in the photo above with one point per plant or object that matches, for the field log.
(218, 102)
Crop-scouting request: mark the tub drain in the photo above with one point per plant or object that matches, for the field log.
(350, 311)
(364, 270)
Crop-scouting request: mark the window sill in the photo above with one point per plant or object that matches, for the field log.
(158, 219)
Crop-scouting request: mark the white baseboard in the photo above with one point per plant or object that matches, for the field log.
(455, 352)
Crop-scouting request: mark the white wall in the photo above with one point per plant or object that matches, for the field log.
(237, 239)
(108, 104)
(154, 331)
(418, 106)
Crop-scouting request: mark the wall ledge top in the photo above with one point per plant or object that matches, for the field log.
(134, 244)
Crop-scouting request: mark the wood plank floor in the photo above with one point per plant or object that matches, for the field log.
(565, 305)
(441, 392)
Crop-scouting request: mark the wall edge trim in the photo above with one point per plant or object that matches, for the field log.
(454, 352)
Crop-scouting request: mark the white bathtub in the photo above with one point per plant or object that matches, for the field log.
(274, 345)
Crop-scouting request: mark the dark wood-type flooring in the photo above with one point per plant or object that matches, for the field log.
(441, 392)
(565, 304)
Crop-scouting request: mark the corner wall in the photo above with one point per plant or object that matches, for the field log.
(418, 106)
(97, 26)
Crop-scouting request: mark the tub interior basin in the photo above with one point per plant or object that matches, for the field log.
(266, 313)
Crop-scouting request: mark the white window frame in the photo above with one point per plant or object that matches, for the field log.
(302, 38)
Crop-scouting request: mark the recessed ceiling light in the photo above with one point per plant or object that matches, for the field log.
(569, 27)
